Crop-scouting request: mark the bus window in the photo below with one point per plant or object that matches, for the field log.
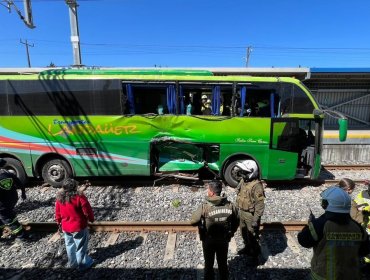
(65, 98)
(294, 100)
(49, 98)
(207, 99)
(148, 99)
(107, 96)
(4, 110)
(301, 103)
(285, 135)
(259, 99)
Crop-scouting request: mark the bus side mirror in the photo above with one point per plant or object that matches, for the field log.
(343, 126)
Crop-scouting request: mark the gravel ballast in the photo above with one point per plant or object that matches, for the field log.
(141, 256)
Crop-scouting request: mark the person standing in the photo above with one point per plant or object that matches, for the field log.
(217, 220)
(349, 186)
(8, 199)
(251, 203)
(72, 213)
(363, 212)
(337, 240)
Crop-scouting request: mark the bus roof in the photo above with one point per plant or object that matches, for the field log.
(172, 72)
(159, 74)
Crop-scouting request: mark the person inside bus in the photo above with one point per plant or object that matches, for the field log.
(203, 102)
(206, 108)
(247, 111)
(160, 109)
(263, 109)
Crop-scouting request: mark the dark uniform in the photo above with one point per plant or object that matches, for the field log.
(217, 219)
(8, 199)
(251, 203)
(337, 240)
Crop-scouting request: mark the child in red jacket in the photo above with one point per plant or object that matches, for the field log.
(72, 212)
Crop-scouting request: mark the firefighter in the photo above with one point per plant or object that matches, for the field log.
(217, 220)
(251, 203)
(338, 241)
(8, 199)
(363, 212)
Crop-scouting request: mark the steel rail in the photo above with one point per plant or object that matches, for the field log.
(336, 181)
(117, 226)
(346, 166)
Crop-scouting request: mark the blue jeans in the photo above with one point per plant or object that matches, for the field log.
(76, 246)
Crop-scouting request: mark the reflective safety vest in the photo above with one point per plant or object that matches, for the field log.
(363, 200)
(336, 254)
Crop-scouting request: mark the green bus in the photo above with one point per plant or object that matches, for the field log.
(61, 123)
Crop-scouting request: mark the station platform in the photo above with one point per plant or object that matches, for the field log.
(356, 149)
(353, 137)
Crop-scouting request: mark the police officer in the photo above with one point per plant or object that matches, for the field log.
(217, 219)
(8, 199)
(363, 212)
(337, 240)
(251, 203)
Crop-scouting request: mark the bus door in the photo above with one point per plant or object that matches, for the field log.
(283, 153)
(311, 138)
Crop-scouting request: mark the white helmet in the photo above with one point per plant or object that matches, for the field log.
(338, 201)
(249, 166)
(204, 96)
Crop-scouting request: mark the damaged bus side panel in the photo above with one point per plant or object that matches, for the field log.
(173, 155)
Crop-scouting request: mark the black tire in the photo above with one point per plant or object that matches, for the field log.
(55, 171)
(231, 174)
(16, 167)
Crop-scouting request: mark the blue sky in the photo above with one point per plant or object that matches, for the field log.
(192, 33)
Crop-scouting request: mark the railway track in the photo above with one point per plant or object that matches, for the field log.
(109, 226)
(346, 166)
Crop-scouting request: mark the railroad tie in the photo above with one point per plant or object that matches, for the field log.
(170, 247)
(112, 239)
(138, 189)
(200, 267)
(292, 243)
(54, 238)
(233, 247)
(144, 235)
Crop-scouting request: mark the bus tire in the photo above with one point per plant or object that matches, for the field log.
(16, 167)
(55, 171)
(230, 175)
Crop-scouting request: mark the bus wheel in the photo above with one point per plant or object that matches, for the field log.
(231, 173)
(55, 171)
(15, 166)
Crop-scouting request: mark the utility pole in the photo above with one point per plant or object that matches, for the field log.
(27, 19)
(74, 32)
(28, 54)
(249, 50)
